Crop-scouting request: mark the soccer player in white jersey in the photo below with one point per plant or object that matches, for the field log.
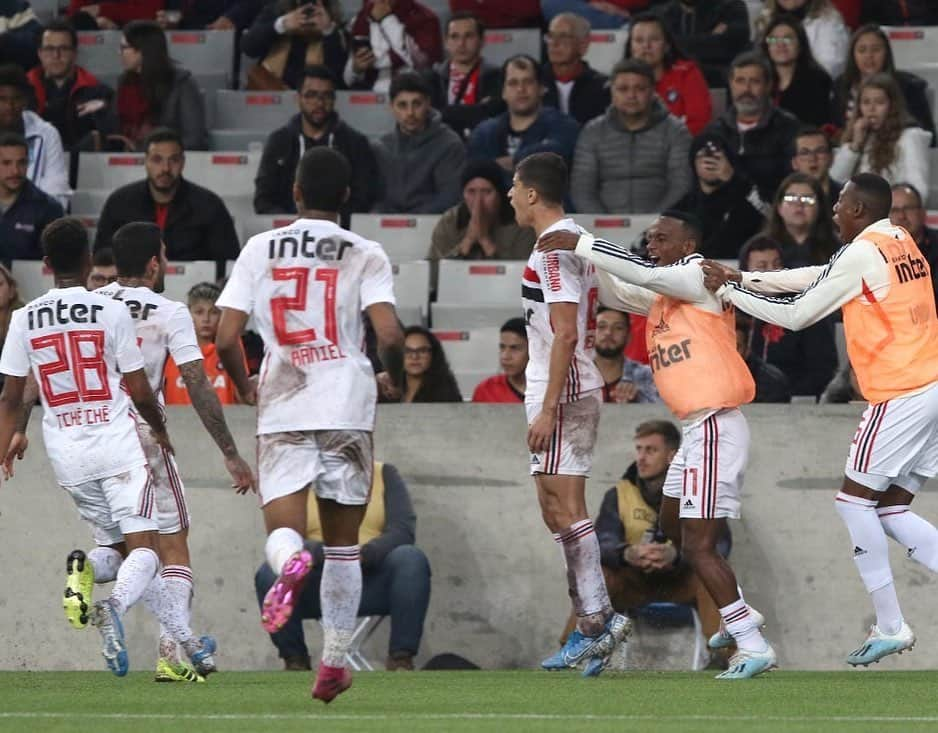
(562, 401)
(882, 283)
(164, 328)
(691, 341)
(82, 350)
(307, 286)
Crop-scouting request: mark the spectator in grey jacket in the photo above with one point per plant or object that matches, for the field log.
(634, 158)
(421, 159)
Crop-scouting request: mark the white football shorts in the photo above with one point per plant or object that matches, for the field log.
(896, 443)
(337, 464)
(117, 505)
(706, 474)
(172, 512)
(571, 447)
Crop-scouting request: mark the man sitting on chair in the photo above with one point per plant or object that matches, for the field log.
(395, 575)
(640, 564)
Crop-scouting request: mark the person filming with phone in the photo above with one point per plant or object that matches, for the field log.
(723, 198)
(289, 35)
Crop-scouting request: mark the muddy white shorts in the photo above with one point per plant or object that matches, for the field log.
(117, 505)
(172, 513)
(336, 464)
(571, 447)
(706, 474)
(896, 443)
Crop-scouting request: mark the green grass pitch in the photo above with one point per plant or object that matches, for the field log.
(516, 702)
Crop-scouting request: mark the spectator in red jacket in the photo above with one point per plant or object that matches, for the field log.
(599, 13)
(109, 16)
(679, 81)
(513, 359)
(501, 13)
(389, 36)
(68, 96)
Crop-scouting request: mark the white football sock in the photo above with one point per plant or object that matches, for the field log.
(340, 594)
(105, 561)
(871, 555)
(917, 535)
(739, 624)
(585, 577)
(177, 596)
(282, 543)
(135, 574)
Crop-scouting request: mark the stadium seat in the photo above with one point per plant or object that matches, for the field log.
(107, 171)
(45, 10)
(606, 49)
(503, 43)
(367, 112)
(624, 230)
(237, 110)
(405, 237)
(257, 223)
(227, 174)
(88, 202)
(33, 278)
(412, 291)
(181, 276)
(912, 46)
(472, 355)
(472, 281)
(237, 139)
(99, 52)
(202, 52)
(671, 615)
(465, 316)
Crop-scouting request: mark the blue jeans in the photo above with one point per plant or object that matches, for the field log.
(399, 588)
(597, 18)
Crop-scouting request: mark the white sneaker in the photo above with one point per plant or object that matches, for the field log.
(723, 638)
(878, 645)
(745, 664)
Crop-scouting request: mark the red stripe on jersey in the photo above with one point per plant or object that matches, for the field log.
(531, 276)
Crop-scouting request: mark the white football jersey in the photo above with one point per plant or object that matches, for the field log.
(559, 277)
(78, 345)
(306, 285)
(164, 328)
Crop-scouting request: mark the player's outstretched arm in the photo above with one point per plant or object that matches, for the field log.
(138, 387)
(209, 409)
(841, 281)
(11, 401)
(563, 318)
(390, 338)
(228, 346)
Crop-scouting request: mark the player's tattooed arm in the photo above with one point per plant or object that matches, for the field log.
(30, 398)
(207, 405)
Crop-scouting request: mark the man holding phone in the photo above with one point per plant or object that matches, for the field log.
(724, 199)
(400, 34)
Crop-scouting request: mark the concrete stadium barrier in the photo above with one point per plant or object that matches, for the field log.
(498, 591)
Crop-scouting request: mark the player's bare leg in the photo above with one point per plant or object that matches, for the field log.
(598, 628)
(699, 547)
(669, 519)
(340, 593)
(857, 506)
(285, 518)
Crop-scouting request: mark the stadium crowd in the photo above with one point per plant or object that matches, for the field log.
(749, 116)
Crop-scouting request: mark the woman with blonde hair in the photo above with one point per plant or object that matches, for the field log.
(827, 33)
(881, 138)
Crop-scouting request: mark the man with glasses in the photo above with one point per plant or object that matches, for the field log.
(316, 124)
(572, 86)
(193, 220)
(812, 156)
(68, 96)
(909, 213)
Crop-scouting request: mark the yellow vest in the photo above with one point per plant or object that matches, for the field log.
(636, 515)
(373, 523)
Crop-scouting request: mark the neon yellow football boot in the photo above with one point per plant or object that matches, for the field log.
(167, 671)
(79, 584)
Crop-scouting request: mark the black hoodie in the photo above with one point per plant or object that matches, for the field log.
(273, 186)
(731, 214)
